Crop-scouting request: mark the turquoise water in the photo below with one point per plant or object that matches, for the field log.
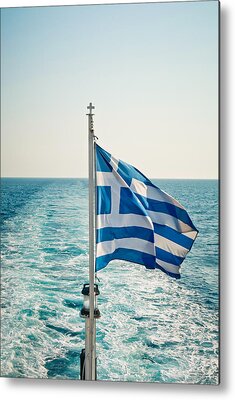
(153, 328)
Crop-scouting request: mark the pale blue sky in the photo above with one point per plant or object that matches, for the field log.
(150, 69)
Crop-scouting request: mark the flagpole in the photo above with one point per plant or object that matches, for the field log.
(90, 356)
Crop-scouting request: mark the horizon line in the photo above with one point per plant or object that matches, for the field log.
(86, 177)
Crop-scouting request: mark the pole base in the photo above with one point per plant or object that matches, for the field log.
(82, 365)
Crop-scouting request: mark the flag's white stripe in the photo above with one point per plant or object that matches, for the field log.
(114, 163)
(109, 179)
(167, 266)
(168, 245)
(105, 178)
(169, 220)
(122, 220)
(191, 234)
(110, 246)
(152, 192)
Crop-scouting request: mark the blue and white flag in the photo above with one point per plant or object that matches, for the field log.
(136, 221)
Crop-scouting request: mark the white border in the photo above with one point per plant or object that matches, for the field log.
(25, 389)
(20, 3)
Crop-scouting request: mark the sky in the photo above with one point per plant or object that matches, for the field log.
(151, 71)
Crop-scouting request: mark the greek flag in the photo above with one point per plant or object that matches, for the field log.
(136, 221)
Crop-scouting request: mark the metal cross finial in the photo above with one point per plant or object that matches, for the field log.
(90, 108)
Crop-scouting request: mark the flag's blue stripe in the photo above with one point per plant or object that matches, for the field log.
(166, 208)
(173, 235)
(102, 160)
(176, 276)
(168, 257)
(103, 199)
(110, 233)
(129, 203)
(127, 172)
(130, 255)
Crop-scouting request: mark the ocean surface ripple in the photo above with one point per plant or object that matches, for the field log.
(153, 328)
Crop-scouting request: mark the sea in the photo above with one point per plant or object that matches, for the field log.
(153, 328)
